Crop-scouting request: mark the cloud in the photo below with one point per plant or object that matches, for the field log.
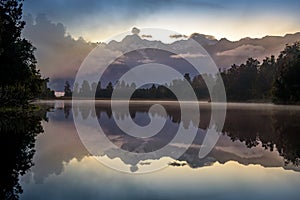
(58, 54)
(120, 60)
(188, 55)
(176, 36)
(135, 31)
(246, 50)
(146, 61)
(146, 36)
(107, 17)
(199, 35)
(130, 10)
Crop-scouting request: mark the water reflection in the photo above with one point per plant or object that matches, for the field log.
(258, 145)
(268, 128)
(253, 134)
(273, 129)
(18, 131)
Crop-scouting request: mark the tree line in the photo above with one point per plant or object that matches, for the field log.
(272, 79)
(150, 91)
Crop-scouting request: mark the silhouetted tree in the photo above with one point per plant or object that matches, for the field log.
(187, 77)
(93, 89)
(133, 85)
(152, 92)
(46, 93)
(265, 78)
(240, 81)
(200, 87)
(76, 89)
(109, 87)
(20, 81)
(98, 90)
(68, 91)
(85, 90)
(287, 83)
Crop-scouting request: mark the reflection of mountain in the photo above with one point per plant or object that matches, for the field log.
(252, 134)
(18, 130)
(257, 135)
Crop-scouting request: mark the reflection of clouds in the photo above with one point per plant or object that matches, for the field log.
(87, 177)
(226, 150)
(239, 149)
(60, 142)
(238, 120)
(146, 60)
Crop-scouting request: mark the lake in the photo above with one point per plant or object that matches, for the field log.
(256, 155)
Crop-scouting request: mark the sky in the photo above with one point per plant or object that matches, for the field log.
(97, 20)
(64, 32)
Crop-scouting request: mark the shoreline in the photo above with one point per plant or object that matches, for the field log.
(267, 104)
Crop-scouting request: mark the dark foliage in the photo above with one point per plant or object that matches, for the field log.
(18, 131)
(287, 83)
(20, 81)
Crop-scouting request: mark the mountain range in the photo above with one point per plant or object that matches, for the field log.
(225, 53)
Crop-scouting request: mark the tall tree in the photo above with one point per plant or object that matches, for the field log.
(85, 90)
(265, 78)
(287, 83)
(76, 89)
(67, 90)
(20, 81)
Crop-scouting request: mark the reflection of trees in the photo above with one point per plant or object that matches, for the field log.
(273, 128)
(286, 127)
(18, 130)
(67, 108)
(248, 125)
(172, 110)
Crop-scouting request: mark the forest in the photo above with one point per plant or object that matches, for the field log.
(272, 80)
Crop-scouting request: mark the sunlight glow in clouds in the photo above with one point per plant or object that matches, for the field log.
(98, 20)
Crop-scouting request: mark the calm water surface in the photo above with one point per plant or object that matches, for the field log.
(256, 156)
